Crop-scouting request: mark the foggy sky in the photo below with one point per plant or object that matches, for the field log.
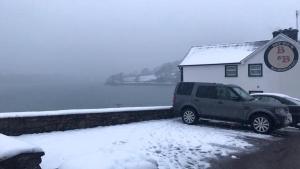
(102, 37)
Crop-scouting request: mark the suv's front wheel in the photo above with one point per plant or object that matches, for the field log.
(262, 124)
(189, 116)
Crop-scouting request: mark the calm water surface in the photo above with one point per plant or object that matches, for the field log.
(36, 97)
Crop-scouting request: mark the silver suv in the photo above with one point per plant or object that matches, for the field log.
(193, 100)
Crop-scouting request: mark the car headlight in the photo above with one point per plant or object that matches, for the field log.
(280, 111)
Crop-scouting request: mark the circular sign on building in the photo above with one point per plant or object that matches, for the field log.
(281, 56)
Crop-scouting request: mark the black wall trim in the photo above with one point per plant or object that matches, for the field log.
(181, 74)
(255, 91)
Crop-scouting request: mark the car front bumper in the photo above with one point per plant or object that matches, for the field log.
(296, 118)
(288, 119)
(284, 121)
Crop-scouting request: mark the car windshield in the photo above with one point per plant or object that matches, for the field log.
(243, 93)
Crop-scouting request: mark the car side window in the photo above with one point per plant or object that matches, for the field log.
(268, 100)
(206, 92)
(225, 93)
(185, 88)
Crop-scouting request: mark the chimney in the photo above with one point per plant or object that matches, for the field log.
(292, 33)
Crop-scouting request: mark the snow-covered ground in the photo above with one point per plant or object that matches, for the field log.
(10, 147)
(163, 144)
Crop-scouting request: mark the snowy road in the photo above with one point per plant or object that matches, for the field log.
(163, 144)
(280, 154)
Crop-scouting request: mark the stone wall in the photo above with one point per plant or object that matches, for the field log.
(23, 161)
(38, 124)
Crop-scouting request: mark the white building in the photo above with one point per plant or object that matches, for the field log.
(262, 66)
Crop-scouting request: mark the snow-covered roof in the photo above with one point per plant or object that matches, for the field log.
(220, 54)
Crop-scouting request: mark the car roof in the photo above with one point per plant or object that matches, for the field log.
(270, 94)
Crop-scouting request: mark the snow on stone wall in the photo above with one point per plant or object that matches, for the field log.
(39, 122)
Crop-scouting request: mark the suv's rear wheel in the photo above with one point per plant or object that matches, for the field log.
(262, 124)
(189, 116)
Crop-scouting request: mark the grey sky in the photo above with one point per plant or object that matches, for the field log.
(101, 37)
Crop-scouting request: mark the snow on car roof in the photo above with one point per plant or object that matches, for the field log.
(275, 94)
(271, 94)
(220, 54)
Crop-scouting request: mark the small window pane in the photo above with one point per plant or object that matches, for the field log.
(185, 88)
(231, 70)
(255, 67)
(206, 92)
(255, 70)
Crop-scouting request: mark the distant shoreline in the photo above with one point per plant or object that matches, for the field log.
(141, 84)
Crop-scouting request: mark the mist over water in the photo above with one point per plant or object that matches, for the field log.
(89, 40)
(97, 38)
(38, 97)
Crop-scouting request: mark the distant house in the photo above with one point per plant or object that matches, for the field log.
(261, 66)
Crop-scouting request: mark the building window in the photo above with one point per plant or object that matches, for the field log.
(255, 70)
(231, 70)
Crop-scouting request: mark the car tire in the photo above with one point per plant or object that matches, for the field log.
(262, 124)
(189, 116)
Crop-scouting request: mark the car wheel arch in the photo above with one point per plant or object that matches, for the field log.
(189, 107)
(266, 113)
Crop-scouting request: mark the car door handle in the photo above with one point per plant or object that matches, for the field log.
(220, 102)
(196, 100)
